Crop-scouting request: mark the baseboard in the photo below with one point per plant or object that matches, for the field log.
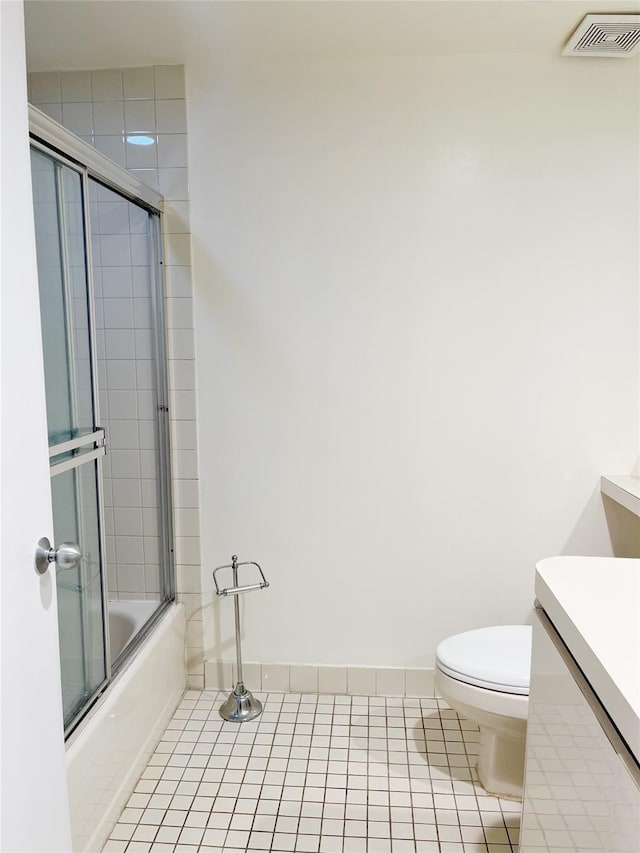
(303, 678)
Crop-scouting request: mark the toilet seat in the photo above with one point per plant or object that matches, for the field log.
(497, 658)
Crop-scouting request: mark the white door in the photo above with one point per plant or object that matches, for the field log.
(34, 805)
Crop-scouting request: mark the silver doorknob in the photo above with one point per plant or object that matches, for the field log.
(65, 556)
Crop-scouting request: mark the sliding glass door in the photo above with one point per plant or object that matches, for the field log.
(133, 404)
(101, 302)
(75, 440)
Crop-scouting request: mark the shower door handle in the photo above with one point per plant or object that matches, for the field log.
(65, 556)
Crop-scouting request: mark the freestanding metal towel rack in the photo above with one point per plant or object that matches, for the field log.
(241, 704)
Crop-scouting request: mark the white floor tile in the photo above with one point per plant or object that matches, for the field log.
(315, 774)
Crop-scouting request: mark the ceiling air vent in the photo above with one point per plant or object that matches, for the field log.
(605, 35)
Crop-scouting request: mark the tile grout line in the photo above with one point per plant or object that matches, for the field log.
(382, 734)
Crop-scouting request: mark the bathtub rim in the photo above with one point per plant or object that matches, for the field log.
(118, 667)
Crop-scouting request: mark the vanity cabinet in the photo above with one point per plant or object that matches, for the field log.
(582, 783)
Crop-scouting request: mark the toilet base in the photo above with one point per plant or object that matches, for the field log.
(501, 763)
(502, 719)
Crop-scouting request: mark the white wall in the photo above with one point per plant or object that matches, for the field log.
(416, 338)
(34, 808)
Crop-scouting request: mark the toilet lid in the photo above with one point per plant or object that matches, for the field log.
(497, 658)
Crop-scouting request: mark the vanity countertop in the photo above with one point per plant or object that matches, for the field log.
(594, 604)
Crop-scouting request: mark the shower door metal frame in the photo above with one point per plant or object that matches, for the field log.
(58, 143)
(162, 420)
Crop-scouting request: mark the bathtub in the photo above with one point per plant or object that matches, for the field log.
(125, 620)
(111, 747)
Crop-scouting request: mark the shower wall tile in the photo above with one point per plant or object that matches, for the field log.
(54, 111)
(178, 250)
(105, 107)
(185, 464)
(113, 216)
(127, 493)
(112, 147)
(78, 117)
(185, 494)
(174, 183)
(183, 405)
(152, 581)
(149, 521)
(188, 579)
(188, 550)
(141, 156)
(169, 81)
(179, 313)
(122, 405)
(177, 216)
(130, 579)
(178, 281)
(139, 117)
(184, 435)
(127, 521)
(106, 86)
(172, 150)
(194, 628)
(119, 343)
(121, 374)
(118, 313)
(75, 86)
(139, 83)
(108, 118)
(108, 520)
(180, 344)
(147, 176)
(187, 522)
(183, 375)
(151, 545)
(124, 463)
(171, 116)
(44, 88)
(147, 433)
(192, 604)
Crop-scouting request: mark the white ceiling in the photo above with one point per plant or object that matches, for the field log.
(74, 34)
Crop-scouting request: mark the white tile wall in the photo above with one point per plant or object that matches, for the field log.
(104, 107)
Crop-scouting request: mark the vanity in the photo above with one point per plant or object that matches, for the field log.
(582, 779)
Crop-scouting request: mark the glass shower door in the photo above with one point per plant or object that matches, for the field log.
(76, 443)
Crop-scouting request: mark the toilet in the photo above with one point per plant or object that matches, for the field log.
(484, 675)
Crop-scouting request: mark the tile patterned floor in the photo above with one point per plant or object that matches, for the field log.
(316, 774)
